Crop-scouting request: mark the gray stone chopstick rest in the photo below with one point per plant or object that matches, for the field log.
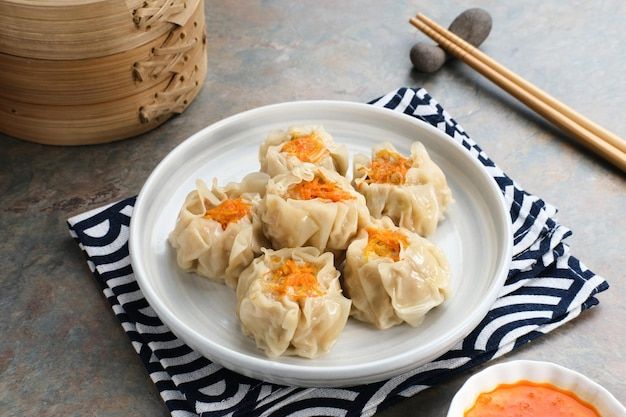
(426, 57)
(473, 25)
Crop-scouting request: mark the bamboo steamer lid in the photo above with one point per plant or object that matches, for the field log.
(132, 82)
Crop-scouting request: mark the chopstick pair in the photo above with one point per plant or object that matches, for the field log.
(587, 133)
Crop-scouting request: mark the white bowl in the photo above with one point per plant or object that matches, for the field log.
(475, 236)
(542, 372)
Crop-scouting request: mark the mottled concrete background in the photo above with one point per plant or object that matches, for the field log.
(63, 353)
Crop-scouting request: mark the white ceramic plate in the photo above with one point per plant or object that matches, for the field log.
(535, 371)
(475, 236)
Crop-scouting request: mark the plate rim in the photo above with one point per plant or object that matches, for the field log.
(299, 374)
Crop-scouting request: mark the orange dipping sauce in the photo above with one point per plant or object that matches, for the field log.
(530, 399)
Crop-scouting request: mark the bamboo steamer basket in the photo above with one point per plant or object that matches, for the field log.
(78, 29)
(60, 86)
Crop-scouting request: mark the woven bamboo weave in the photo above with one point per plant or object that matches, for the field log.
(68, 77)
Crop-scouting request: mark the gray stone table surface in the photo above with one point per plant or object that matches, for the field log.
(62, 351)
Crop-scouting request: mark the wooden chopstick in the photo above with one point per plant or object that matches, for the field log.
(531, 88)
(589, 134)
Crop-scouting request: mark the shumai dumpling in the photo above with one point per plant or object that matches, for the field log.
(412, 191)
(290, 302)
(218, 232)
(284, 150)
(312, 206)
(393, 275)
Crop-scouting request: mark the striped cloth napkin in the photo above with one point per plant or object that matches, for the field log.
(546, 287)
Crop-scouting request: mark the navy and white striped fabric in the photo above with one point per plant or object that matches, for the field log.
(546, 287)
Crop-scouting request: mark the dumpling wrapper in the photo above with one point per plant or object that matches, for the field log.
(275, 160)
(321, 223)
(418, 203)
(203, 245)
(306, 326)
(385, 292)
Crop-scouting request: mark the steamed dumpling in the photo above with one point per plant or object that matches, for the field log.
(412, 191)
(218, 232)
(290, 302)
(393, 275)
(284, 150)
(312, 206)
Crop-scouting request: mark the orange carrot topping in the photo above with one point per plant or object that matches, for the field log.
(319, 187)
(388, 167)
(295, 280)
(229, 211)
(385, 243)
(307, 148)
